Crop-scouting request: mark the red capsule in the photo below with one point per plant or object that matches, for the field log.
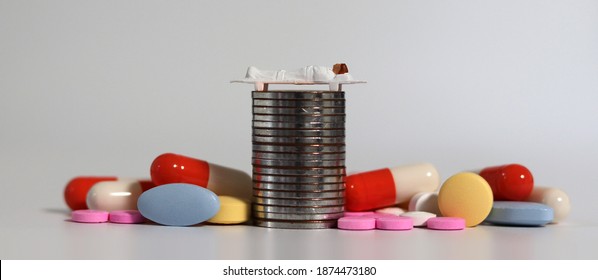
(172, 168)
(509, 182)
(75, 192)
(370, 190)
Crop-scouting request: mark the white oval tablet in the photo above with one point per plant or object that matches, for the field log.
(419, 217)
(391, 210)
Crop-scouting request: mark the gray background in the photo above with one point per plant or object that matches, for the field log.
(103, 87)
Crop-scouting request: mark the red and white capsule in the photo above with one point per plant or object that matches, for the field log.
(172, 168)
(389, 186)
(77, 189)
(114, 195)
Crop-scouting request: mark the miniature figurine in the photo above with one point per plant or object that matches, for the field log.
(308, 75)
(305, 74)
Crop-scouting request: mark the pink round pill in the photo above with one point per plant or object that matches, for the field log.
(394, 223)
(357, 223)
(358, 214)
(446, 223)
(89, 216)
(126, 217)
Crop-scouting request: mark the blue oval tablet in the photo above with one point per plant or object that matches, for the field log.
(178, 204)
(519, 213)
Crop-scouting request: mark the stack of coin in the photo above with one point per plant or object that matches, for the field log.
(298, 158)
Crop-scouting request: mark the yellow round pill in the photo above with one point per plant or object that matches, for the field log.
(232, 211)
(466, 195)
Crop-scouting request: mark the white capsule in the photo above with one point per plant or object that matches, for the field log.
(114, 195)
(553, 197)
(425, 201)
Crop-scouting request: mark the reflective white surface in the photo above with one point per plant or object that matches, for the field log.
(46, 235)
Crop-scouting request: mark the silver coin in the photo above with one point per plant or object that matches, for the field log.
(298, 163)
(322, 224)
(299, 110)
(299, 171)
(298, 210)
(307, 125)
(298, 149)
(298, 188)
(298, 195)
(297, 217)
(299, 133)
(313, 99)
(299, 156)
(299, 118)
(326, 103)
(298, 179)
(299, 140)
(299, 202)
(298, 94)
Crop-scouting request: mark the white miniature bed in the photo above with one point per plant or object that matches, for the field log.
(334, 85)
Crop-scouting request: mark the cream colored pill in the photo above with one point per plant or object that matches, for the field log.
(466, 195)
(232, 211)
(391, 210)
(420, 218)
(425, 201)
(114, 195)
(557, 199)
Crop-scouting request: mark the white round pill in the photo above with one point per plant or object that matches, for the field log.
(425, 201)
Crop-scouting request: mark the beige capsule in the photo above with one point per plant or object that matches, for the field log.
(557, 199)
(114, 195)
